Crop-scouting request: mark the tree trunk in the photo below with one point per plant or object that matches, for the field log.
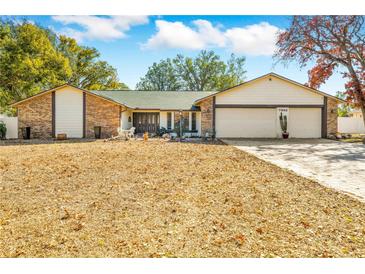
(363, 113)
(359, 94)
(361, 99)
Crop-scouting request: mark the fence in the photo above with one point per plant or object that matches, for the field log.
(11, 126)
(351, 125)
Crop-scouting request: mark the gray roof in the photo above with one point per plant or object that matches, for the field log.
(162, 100)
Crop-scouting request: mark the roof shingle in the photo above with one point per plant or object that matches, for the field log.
(162, 100)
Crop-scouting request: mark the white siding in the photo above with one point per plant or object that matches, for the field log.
(125, 119)
(69, 112)
(246, 123)
(163, 119)
(264, 91)
(11, 124)
(304, 123)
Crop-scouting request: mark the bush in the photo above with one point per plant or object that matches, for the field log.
(161, 131)
(2, 130)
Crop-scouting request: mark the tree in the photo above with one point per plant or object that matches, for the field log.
(235, 73)
(35, 58)
(160, 76)
(205, 72)
(333, 42)
(344, 109)
(29, 62)
(87, 71)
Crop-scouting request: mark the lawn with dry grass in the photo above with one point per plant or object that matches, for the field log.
(163, 199)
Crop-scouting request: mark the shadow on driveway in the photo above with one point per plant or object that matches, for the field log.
(332, 163)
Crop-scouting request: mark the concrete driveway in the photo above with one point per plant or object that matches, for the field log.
(331, 163)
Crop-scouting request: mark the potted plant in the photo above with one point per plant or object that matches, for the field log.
(2, 130)
(284, 126)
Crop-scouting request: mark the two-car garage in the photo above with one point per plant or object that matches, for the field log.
(252, 110)
(264, 122)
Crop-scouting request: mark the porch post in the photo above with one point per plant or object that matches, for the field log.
(190, 119)
(172, 120)
(180, 116)
(120, 117)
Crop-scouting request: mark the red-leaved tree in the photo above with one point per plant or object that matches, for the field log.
(333, 42)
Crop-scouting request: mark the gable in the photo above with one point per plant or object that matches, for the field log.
(69, 90)
(66, 87)
(269, 90)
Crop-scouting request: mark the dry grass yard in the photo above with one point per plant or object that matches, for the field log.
(162, 199)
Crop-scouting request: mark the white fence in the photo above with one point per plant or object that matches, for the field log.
(351, 125)
(11, 126)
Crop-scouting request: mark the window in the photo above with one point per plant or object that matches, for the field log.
(169, 117)
(185, 121)
(193, 121)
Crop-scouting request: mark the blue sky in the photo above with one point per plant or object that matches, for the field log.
(132, 44)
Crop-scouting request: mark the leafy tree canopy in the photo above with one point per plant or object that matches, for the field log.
(34, 59)
(86, 70)
(332, 42)
(344, 109)
(203, 73)
(160, 76)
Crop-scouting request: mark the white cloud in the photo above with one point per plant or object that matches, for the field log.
(174, 35)
(257, 39)
(209, 34)
(99, 28)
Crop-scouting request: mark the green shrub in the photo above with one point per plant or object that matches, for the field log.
(161, 131)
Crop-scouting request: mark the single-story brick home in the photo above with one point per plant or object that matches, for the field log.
(248, 110)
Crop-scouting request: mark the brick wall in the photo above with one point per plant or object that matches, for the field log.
(331, 116)
(206, 108)
(102, 113)
(37, 114)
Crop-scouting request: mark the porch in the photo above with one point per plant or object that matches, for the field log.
(152, 121)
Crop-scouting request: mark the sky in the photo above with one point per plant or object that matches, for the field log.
(132, 43)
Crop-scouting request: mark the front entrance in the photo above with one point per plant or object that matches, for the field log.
(146, 121)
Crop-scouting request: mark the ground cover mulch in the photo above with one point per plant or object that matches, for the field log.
(166, 199)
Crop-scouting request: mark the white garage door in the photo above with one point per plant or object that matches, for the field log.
(304, 123)
(69, 113)
(264, 123)
(246, 122)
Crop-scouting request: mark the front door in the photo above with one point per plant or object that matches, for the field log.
(146, 121)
